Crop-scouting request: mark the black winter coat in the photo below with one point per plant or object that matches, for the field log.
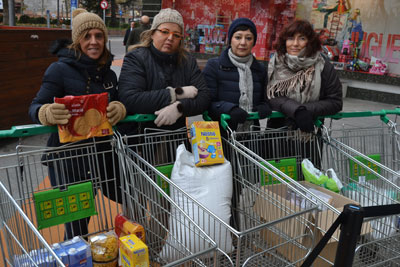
(222, 78)
(75, 76)
(330, 100)
(145, 75)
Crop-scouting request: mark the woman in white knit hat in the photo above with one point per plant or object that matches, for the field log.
(159, 77)
(83, 67)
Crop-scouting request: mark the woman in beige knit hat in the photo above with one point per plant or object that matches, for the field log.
(83, 67)
(159, 77)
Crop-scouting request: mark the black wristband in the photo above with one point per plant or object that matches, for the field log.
(178, 90)
(180, 107)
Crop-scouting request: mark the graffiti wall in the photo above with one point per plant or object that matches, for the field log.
(207, 22)
(370, 25)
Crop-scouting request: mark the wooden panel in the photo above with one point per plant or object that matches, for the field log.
(24, 57)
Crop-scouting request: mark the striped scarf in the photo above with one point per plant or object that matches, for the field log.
(296, 77)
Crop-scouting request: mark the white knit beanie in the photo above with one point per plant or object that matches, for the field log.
(167, 15)
(83, 20)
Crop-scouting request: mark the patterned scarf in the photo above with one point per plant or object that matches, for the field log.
(245, 84)
(296, 77)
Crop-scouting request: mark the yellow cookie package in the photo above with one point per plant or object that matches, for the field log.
(88, 117)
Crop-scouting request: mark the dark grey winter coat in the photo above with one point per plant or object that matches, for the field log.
(75, 76)
(145, 75)
(222, 79)
(330, 100)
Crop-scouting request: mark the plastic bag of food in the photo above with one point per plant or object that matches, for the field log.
(104, 249)
(88, 117)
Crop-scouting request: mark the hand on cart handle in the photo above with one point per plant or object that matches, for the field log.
(37, 129)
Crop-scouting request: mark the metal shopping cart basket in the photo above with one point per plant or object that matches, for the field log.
(283, 150)
(267, 222)
(34, 213)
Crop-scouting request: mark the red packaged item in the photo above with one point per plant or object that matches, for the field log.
(124, 226)
(88, 117)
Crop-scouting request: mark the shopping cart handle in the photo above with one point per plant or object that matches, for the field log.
(251, 116)
(139, 118)
(359, 114)
(27, 130)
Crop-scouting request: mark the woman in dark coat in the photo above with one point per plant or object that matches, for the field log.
(159, 77)
(236, 79)
(302, 83)
(83, 68)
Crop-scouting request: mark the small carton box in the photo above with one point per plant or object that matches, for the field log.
(206, 143)
(302, 230)
(133, 252)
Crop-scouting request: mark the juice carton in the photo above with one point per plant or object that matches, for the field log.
(61, 253)
(206, 143)
(124, 226)
(79, 252)
(133, 252)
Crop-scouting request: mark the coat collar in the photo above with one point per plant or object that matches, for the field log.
(225, 62)
(168, 58)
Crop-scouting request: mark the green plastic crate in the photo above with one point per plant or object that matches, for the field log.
(166, 170)
(357, 172)
(288, 166)
(54, 207)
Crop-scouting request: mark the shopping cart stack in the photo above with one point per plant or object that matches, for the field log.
(367, 162)
(363, 161)
(21, 244)
(265, 228)
(38, 205)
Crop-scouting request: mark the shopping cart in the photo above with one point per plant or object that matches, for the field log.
(249, 239)
(282, 149)
(33, 217)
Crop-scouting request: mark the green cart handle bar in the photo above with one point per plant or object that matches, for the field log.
(37, 129)
(341, 115)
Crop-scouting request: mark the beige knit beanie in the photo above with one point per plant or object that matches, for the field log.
(167, 15)
(83, 20)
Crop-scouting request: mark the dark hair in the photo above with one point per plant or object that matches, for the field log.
(303, 27)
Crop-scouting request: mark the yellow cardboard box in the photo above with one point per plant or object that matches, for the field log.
(133, 252)
(206, 143)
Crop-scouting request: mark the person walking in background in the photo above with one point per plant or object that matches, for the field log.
(160, 77)
(236, 79)
(302, 84)
(127, 33)
(83, 67)
(134, 36)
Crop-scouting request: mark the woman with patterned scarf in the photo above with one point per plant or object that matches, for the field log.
(302, 83)
(236, 80)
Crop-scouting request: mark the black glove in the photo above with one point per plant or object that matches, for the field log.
(264, 110)
(304, 120)
(238, 115)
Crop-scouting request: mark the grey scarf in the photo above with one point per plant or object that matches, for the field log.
(245, 84)
(297, 77)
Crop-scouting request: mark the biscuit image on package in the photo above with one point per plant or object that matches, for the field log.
(92, 117)
(81, 127)
(88, 117)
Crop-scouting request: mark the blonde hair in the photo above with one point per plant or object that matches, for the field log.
(103, 59)
(146, 40)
